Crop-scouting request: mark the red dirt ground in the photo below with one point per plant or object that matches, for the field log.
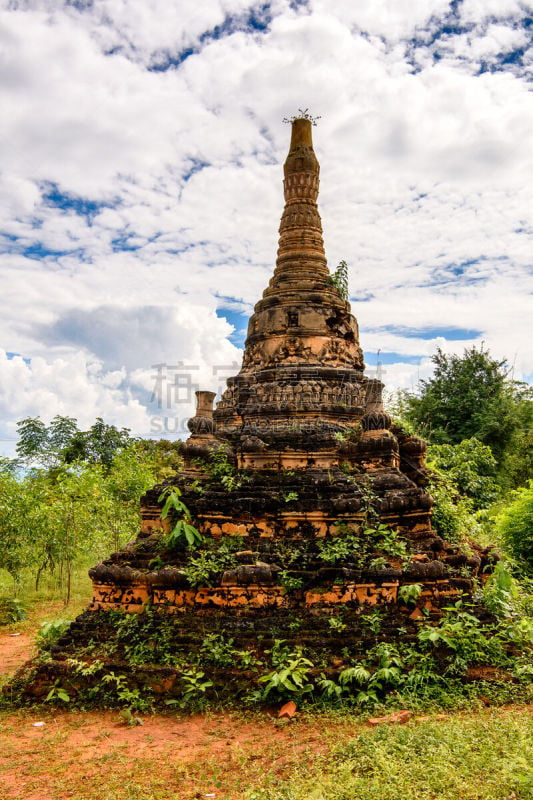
(193, 756)
(93, 755)
(15, 649)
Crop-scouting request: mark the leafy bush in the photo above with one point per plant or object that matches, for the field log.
(291, 679)
(472, 468)
(50, 632)
(515, 526)
(452, 516)
(362, 546)
(214, 557)
(339, 279)
(11, 610)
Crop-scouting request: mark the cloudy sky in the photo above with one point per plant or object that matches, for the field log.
(141, 144)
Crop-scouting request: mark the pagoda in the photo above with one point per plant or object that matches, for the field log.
(310, 505)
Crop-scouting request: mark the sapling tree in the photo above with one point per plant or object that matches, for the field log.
(183, 531)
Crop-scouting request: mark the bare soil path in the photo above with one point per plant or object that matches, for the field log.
(94, 755)
(16, 647)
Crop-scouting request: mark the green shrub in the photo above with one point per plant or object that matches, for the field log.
(11, 610)
(472, 468)
(452, 516)
(515, 526)
(50, 632)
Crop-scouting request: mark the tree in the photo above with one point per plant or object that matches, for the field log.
(129, 476)
(53, 520)
(43, 445)
(98, 445)
(472, 396)
(79, 498)
(15, 545)
(472, 468)
(515, 526)
(32, 445)
(63, 442)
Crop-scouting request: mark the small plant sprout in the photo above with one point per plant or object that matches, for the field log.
(57, 693)
(410, 593)
(289, 582)
(336, 624)
(339, 279)
(183, 529)
(288, 496)
(291, 678)
(194, 688)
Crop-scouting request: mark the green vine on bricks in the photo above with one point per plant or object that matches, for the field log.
(217, 650)
(368, 502)
(146, 638)
(125, 694)
(340, 546)
(350, 434)
(339, 280)
(289, 582)
(462, 634)
(207, 564)
(336, 624)
(183, 530)
(203, 568)
(289, 496)
(386, 540)
(194, 688)
(370, 547)
(372, 620)
(222, 470)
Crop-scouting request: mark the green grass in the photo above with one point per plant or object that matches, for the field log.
(483, 757)
(47, 603)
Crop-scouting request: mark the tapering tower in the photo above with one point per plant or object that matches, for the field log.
(309, 505)
(302, 364)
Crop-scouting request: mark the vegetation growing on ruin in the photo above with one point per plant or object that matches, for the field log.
(62, 512)
(339, 279)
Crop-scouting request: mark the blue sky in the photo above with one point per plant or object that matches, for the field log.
(140, 185)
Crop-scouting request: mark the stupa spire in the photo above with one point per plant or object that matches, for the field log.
(304, 502)
(302, 317)
(301, 255)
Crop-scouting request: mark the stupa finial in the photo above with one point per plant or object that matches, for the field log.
(303, 113)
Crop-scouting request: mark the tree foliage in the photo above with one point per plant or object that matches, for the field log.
(515, 526)
(473, 396)
(53, 519)
(63, 442)
(452, 515)
(75, 497)
(471, 467)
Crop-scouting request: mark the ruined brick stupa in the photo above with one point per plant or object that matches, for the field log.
(312, 504)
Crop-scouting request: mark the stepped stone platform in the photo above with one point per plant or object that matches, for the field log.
(312, 504)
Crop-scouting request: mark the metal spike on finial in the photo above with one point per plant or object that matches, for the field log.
(303, 113)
